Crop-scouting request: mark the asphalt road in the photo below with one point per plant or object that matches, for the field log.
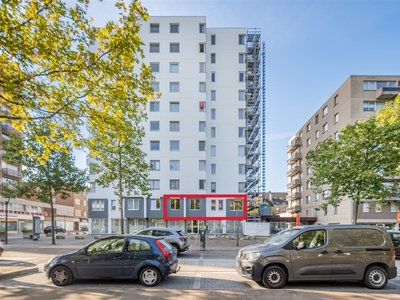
(203, 275)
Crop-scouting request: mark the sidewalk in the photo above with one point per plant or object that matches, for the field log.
(11, 268)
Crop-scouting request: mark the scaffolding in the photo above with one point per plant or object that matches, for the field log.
(255, 108)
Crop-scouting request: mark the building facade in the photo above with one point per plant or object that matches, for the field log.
(356, 99)
(197, 133)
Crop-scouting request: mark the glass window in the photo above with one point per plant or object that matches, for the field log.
(194, 204)
(354, 237)
(336, 117)
(97, 205)
(241, 39)
(213, 205)
(213, 132)
(213, 58)
(155, 67)
(174, 145)
(133, 204)
(154, 145)
(202, 165)
(241, 76)
(308, 127)
(154, 47)
(213, 150)
(336, 135)
(336, 100)
(235, 205)
(155, 86)
(202, 106)
(317, 134)
(175, 204)
(241, 58)
(213, 95)
(174, 126)
(155, 184)
(174, 67)
(213, 74)
(241, 187)
(202, 126)
(202, 28)
(325, 127)
(174, 47)
(213, 39)
(174, 28)
(242, 113)
(202, 66)
(242, 131)
(174, 106)
(213, 169)
(213, 187)
(316, 119)
(174, 184)
(154, 106)
(155, 165)
(155, 204)
(154, 126)
(241, 95)
(308, 141)
(202, 146)
(325, 111)
(202, 184)
(202, 87)
(174, 87)
(241, 150)
(202, 47)
(154, 28)
(242, 169)
(213, 114)
(174, 165)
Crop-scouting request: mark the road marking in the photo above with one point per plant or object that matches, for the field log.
(197, 281)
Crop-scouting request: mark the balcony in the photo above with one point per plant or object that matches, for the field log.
(8, 129)
(293, 171)
(387, 92)
(293, 183)
(11, 173)
(294, 157)
(293, 145)
(293, 209)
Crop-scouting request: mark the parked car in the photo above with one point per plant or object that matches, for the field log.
(321, 253)
(146, 258)
(57, 229)
(1, 248)
(395, 236)
(175, 237)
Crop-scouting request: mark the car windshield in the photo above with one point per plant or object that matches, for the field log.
(282, 236)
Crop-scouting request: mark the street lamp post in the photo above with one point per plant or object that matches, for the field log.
(6, 229)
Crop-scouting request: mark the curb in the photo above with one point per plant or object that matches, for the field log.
(19, 273)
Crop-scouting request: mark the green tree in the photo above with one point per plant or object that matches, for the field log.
(120, 163)
(52, 71)
(44, 178)
(359, 165)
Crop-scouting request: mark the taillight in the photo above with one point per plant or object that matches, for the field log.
(182, 239)
(162, 248)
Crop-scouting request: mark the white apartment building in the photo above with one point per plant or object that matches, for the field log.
(196, 134)
(357, 98)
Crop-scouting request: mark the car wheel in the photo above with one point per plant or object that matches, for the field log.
(61, 276)
(149, 276)
(375, 278)
(177, 249)
(274, 277)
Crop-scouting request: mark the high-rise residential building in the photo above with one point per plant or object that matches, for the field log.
(204, 135)
(357, 98)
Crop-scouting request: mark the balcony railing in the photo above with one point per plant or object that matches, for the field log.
(293, 145)
(11, 172)
(293, 183)
(387, 92)
(293, 171)
(295, 156)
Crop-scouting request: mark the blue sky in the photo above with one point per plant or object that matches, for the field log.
(312, 47)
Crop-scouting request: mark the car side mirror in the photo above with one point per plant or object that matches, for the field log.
(301, 245)
(84, 252)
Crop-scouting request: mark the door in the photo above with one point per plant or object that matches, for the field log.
(137, 251)
(104, 259)
(313, 262)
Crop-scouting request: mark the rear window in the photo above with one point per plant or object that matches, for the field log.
(356, 237)
(180, 233)
(165, 244)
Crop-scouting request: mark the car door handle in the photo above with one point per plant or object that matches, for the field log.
(324, 252)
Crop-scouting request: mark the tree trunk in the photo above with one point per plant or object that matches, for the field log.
(355, 211)
(53, 240)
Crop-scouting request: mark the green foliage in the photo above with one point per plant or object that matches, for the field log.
(50, 70)
(120, 163)
(42, 178)
(358, 165)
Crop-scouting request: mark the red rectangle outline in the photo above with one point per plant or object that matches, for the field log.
(238, 218)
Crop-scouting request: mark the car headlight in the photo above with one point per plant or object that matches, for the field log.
(251, 255)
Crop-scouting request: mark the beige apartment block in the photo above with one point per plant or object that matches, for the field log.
(357, 98)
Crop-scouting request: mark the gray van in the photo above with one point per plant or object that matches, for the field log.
(321, 253)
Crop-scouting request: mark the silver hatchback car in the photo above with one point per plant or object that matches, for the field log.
(175, 237)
